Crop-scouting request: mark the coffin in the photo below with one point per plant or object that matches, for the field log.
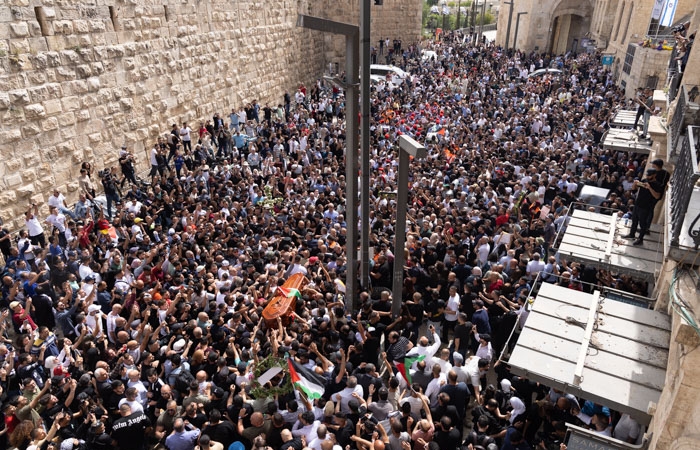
(282, 305)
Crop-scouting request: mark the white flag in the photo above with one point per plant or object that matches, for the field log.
(669, 12)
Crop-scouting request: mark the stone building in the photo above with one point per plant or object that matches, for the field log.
(615, 27)
(79, 78)
(619, 28)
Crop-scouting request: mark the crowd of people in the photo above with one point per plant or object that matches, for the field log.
(139, 324)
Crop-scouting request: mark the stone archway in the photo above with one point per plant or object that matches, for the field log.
(570, 23)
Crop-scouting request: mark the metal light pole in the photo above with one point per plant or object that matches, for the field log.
(407, 147)
(510, 19)
(459, 9)
(351, 33)
(517, 25)
(483, 15)
(365, 56)
(443, 3)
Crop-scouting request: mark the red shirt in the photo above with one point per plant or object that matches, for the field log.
(16, 319)
(495, 286)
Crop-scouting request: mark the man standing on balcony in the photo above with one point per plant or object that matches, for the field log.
(648, 111)
(649, 191)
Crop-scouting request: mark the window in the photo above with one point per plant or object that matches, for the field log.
(41, 18)
(114, 16)
(629, 58)
(617, 22)
(627, 24)
(381, 72)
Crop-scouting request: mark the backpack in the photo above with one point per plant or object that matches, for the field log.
(183, 380)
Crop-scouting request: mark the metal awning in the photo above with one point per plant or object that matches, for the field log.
(595, 238)
(599, 349)
(622, 140)
(624, 118)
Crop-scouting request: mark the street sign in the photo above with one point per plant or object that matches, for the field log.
(607, 60)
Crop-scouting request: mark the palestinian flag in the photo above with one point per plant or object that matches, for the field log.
(288, 292)
(405, 366)
(311, 385)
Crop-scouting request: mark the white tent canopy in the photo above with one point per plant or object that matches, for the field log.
(595, 238)
(600, 349)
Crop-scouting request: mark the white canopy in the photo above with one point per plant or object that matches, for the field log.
(609, 352)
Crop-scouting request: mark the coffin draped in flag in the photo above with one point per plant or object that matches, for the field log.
(311, 384)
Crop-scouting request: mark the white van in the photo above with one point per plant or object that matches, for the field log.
(397, 75)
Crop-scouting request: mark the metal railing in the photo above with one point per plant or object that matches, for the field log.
(685, 113)
(685, 175)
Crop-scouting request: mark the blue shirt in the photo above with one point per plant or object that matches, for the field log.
(184, 440)
(480, 318)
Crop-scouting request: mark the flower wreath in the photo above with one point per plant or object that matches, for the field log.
(259, 391)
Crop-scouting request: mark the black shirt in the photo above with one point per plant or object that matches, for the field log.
(295, 444)
(223, 432)
(461, 332)
(447, 440)
(130, 431)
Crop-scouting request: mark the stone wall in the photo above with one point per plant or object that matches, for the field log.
(80, 78)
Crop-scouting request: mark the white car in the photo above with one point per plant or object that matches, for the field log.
(540, 72)
(397, 76)
(428, 55)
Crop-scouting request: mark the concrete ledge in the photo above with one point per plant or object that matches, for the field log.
(660, 99)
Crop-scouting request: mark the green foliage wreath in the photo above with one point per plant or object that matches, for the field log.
(263, 366)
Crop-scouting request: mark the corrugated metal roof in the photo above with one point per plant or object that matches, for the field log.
(596, 238)
(602, 350)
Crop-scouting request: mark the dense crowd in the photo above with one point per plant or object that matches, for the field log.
(139, 324)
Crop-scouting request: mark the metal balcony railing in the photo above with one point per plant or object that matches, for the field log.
(686, 113)
(685, 175)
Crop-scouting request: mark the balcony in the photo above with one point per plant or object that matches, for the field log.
(686, 112)
(683, 201)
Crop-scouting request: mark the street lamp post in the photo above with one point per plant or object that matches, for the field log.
(364, 145)
(483, 16)
(517, 25)
(510, 19)
(407, 147)
(444, 13)
(459, 9)
(351, 33)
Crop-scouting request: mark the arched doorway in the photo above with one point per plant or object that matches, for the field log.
(571, 22)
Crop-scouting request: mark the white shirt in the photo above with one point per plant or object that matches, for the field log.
(534, 267)
(298, 268)
(428, 351)
(141, 389)
(627, 428)
(134, 206)
(135, 405)
(56, 201)
(485, 352)
(34, 226)
(346, 396)
(453, 305)
(309, 431)
(185, 134)
(483, 253)
(58, 220)
(472, 370)
(315, 444)
(433, 389)
(154, 161)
